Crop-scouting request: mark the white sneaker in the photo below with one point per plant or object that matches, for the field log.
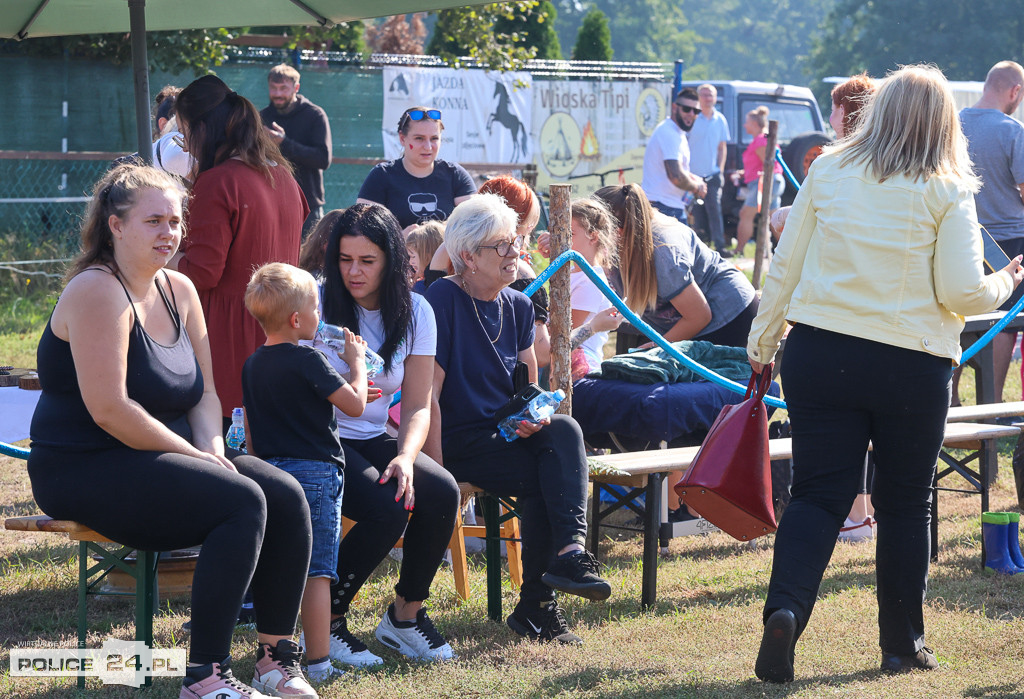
(418, 640)
(346, 648)
(854, 531)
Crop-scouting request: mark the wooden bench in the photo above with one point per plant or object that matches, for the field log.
(90, 575)
(645, 472)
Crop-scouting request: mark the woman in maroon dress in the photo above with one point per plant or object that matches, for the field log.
(246, 210)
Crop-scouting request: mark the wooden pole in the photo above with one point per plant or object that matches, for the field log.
(560, 323)
(767, 177)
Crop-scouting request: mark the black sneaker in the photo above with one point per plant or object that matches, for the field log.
(576, 574)
(542, 622)
(681, 515)
(246, 618)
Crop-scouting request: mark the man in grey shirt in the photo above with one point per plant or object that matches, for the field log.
(996, 145)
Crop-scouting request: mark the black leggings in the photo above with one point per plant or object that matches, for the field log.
(734, 333)
(380, 520)
(547, 472)
(842, 393)
(253, 526)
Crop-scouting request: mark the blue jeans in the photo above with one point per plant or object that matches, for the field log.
(323, 482)
(842, 392)
(709, 215)
(677, 214)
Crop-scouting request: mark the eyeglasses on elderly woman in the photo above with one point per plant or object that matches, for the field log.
(508, 248)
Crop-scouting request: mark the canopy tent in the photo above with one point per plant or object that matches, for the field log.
(23, 19)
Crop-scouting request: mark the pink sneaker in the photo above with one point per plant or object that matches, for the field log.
(278, 672)
(220, 684)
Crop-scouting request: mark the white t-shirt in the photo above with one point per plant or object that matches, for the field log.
(420, 340)
(169, 157)
(668, 142)
(585, 296)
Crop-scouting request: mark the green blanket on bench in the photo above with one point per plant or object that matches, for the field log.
(657, 366)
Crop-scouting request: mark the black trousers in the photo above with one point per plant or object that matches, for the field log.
(547, 472)
(381, 520)
(842, 392)
(253, 527)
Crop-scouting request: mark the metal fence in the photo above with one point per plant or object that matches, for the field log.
(73, 117)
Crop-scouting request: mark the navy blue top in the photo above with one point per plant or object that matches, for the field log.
(417, 199)
(285, 389)
(478, 374)
(165, 380)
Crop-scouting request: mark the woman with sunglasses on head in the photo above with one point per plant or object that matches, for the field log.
(484, 330)
(418, 186)
(390, 486)
(246, 210)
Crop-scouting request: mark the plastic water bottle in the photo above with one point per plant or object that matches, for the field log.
(334, 337)
(540, 408)
(236, 433)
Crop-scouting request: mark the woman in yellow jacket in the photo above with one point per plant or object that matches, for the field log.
(881, 259)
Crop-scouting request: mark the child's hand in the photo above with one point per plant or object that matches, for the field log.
(354, 353)
(606, 320)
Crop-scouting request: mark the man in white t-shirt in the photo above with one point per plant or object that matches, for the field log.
(708, 140)
(667, 180)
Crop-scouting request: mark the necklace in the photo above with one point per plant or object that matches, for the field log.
(501, 315)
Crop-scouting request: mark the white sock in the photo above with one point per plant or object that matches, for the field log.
(322, 671)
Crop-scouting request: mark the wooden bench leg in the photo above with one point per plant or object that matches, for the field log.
(146, 598)
(514, 544)
(460, 570)
(594, 533)
(83, 590)
(489, 505)
(652, 522)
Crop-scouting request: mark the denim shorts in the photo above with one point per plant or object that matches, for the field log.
(323, 482)
(778, 187)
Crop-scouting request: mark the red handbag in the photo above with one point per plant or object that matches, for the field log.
(729, 482)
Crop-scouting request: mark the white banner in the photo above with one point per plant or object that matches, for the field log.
(594, 133)
(486, 115)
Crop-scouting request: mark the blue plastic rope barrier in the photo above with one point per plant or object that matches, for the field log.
(655, 336)
(785, 169)
(11, 450)
(993, 331)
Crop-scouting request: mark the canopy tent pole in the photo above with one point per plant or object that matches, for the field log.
(140, 72)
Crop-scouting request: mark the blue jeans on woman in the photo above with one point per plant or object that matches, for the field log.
(843, 392)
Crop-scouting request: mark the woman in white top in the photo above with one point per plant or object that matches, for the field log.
(593, 237)
(388, 482)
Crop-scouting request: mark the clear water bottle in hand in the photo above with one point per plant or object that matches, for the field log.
(236, 433)
(540, 408)
(334, 337)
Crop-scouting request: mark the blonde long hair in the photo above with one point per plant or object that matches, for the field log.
(630, 207)
(910, 127)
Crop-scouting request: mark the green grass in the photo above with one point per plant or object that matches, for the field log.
(699, 640)
(27, 295)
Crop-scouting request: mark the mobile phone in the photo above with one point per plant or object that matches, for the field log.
(995, 258)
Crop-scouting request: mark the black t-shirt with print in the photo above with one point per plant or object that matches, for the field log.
(417, 199)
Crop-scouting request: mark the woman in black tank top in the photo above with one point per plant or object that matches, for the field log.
(126, 438)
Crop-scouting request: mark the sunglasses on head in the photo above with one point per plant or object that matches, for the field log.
(421, 114)
(687, 109)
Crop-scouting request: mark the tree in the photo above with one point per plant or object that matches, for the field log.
(195, 50)
(962, 38)
(536, 28)
(398, 35)
(648, 30)
(472, 32)
(594, 40)
(343, 36)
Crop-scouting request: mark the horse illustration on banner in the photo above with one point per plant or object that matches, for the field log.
(504, 116)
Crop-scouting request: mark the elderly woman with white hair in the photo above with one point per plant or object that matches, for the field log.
(484, 330)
